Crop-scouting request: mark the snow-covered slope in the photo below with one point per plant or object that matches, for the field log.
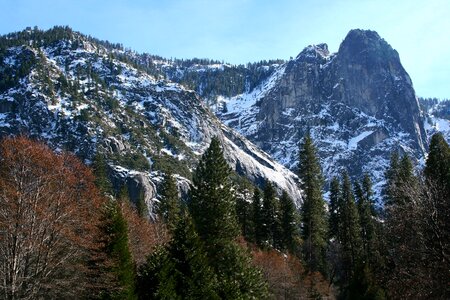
(358, 104)
(85, 96)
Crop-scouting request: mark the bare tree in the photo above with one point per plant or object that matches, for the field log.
(49, 214)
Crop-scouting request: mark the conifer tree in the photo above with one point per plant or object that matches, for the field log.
(437, 168)
(117, 249)
(213, 203)
(258, 221)
(367, 219)
(101, 174)
(169, 206)
(269, 213)
(289, 223)
(334, 208)
(189, 276)
(313, 214)
(350, 230)
(244, 212)
(213, 208)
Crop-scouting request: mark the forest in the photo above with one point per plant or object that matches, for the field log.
(65, 232)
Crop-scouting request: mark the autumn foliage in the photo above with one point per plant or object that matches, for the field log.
(49, 214)
(288, 278)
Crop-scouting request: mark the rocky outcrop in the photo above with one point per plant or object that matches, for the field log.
(359, 105)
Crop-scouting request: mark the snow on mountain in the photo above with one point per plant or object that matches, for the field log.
(85, 96)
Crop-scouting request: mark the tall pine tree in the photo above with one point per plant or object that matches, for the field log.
(169, 206)
(117, 249)
(290, 226)
(313, 214)
(213, 208)
(349, 230)
(258, 222)
(269, 213)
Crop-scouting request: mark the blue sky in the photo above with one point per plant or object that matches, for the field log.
(240, 31)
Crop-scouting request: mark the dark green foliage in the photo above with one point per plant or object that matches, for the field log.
(290, 226)
(367, 221)
(153, 280)
(169, 207)
(244, 215)
(133, 161)
(270, 230)
(191, 273)
(213, 204)
(350, 230)
(117, 249)
(334, 208)
(313, 215)
(258, 221)
(213, 209)
(101, 174)
(437, 168)
(181, 270)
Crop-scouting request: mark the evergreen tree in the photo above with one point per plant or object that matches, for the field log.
(258, 222)
(437, 168)
(154, 280)
(270, 226)
(367, 217)
(191, 276)
(244, 215)
(213, 203)
(334, 208)
(169, 206)
(117, 249)
(350, 230)
(313, 214)
(101, 174)
(289, 223)
(213, 209)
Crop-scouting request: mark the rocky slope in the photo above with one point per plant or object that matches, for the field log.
(83, 95)
(359, 105)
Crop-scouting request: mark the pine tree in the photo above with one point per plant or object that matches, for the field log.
(437, 168)
(313, 214)
(169, 206)
(191, 273)
(213, 208)
(350, 230)
(270, 226)
(334, 208)
(117, 249)
(366, 212)
(213, 203)
(101, 174)
(258, 221)
(244, 212)
(289, 223)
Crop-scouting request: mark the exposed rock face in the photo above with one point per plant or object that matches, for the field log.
(82, 95)
(358, 104)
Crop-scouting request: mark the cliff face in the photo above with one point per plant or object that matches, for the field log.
(85, 96)
(359, 105)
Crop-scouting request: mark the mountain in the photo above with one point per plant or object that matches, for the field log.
(86, 96)
(358, 104)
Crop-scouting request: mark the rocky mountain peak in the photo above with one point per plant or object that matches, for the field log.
(313, 52)
(358, 104)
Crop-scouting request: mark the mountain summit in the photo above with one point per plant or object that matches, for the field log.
(359, 105)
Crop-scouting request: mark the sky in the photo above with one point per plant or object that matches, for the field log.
(241, 31)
